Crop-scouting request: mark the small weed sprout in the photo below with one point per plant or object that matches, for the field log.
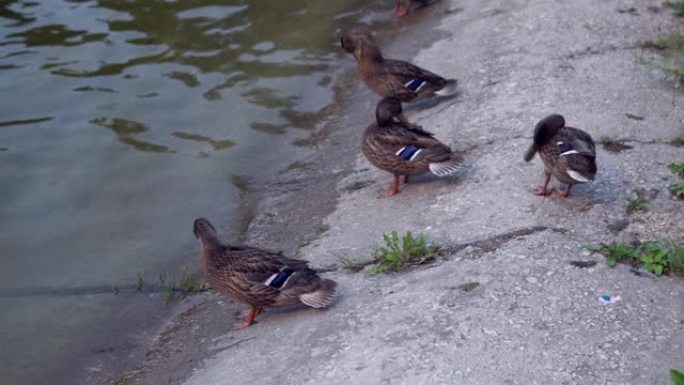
(677, 377)
(677, 190)
(671, 48)
(677, 168)
(396, 255)
(677, 6)
(636, 204)
(657, 257)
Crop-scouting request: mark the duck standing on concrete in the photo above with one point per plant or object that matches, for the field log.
(387, 77)
(569, 154)
(258, 277)
(402, 7)
(394, 145)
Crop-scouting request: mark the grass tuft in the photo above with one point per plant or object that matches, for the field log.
(657, 257)
(677, 6)
(676, 168)
(671, 48)
(397, 254)
(636, 204)
(677, 190)
(677, 377)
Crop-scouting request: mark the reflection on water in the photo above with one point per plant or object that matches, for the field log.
(121, 122)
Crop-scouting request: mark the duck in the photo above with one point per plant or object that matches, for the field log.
(568, 154)
(257, 277)
(387, 77)
(393, 144)
(402, 7)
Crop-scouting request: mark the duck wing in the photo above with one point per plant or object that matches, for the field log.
(408, 79)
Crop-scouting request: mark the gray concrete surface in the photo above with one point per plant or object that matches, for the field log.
(534, 318)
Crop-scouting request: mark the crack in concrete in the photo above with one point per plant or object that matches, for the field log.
(593, 51)
(493, 243)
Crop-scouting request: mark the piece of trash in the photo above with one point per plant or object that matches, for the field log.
(609, 298)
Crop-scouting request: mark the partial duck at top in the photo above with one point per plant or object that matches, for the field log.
(387, 77)
(404, 149)
(568, 153)
(403, 7)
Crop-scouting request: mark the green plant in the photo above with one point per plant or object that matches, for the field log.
(635, 204)
(617, 252)
(671, 48)
(654, 258)
(677, 6)
(657, 257)
(396, 255)
(191, 283)
(677, 190)
(676, 168)
(677, 377)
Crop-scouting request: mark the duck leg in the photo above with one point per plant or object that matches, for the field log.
(395, 187)
(253, 312)
(542, 190)
(400, 11)
(406, 179)
(563, 193)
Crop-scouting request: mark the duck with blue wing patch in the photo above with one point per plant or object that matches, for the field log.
(403, 7)
(387, 77)
(401, 148)
(568, 154)
(259, 277)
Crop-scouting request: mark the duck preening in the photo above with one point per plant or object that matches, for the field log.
(387, 77)
(259, 277)
(569, 154)
(404, 149)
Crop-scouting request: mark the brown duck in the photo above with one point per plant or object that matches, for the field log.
(402, 7)
(387, 77)
(394, 145)
(569, 154)
(258, 277)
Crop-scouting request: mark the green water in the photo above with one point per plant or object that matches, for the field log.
(120, 122)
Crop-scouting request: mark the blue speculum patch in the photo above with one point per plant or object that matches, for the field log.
(415, 84)
(281, 278)
(564, 147)
(407, 152)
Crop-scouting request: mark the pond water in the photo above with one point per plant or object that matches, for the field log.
(120, 122)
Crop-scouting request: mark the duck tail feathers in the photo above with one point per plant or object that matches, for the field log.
(323, 297)
(448, 89)
(447, 167)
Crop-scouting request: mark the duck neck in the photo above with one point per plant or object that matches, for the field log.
(370, 57)
(209, 241)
